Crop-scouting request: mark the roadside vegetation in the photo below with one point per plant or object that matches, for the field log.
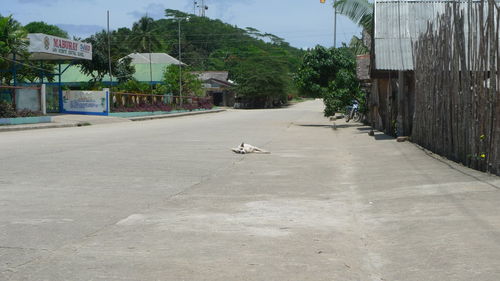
(7, 110)
(330, 74)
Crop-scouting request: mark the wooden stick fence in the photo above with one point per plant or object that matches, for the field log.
(457, 106)
(119, 100)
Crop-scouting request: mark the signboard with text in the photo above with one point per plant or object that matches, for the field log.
(86, 102)
(48, 47)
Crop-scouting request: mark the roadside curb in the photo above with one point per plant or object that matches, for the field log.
(153, 117)
(12, 128)
(39, 126)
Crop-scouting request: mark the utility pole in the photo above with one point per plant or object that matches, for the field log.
(150, 63)
(334, 25)
(109, 55)
(180, 64)
(180, 55)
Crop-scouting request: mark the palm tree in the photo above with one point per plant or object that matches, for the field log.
(357, 46)
(12, 38)
(13, 44)
(142, 39)
(359, 11)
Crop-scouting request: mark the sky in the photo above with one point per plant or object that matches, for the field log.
(302, 23)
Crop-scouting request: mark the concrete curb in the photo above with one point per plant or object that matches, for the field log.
(25, 120)
(153, 117)
(12, 128)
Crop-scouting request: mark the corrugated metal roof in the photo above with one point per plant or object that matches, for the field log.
(398, 25)
(205, 75)
(140, 58)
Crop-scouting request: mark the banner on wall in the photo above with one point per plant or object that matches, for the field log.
(86, 102)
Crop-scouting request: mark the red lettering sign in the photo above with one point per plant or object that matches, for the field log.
(64, 44)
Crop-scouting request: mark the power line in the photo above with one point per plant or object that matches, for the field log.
(24, 64)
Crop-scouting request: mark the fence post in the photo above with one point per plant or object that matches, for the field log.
(43, 99)
(106, 93)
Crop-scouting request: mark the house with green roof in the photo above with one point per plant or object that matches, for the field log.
(149, 67)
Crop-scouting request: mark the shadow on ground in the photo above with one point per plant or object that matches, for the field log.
(316, 125)
(360, 127)
(381, 136)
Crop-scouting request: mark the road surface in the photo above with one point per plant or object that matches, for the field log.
(168, 200)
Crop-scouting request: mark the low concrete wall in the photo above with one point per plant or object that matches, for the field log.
(25, 120)
(86, 102)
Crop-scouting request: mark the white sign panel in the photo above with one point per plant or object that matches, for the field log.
(49, 47)
(86, 102)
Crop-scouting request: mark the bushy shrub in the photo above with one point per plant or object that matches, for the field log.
(144, 107)
(7, 110)
(134, 86)
(28, 113)
(205, 104)
(330, 74)
(189, 106)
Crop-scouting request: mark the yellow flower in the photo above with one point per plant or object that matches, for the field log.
(482, 137)
(483, 155)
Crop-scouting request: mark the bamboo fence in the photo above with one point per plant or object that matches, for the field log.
(457, 105)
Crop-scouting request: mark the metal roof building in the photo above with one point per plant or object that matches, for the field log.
(398, 25)
(141, 63)
(158, 58)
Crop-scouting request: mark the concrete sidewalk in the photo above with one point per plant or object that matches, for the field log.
(77, 120)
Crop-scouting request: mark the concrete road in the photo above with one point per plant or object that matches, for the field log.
(167, 200)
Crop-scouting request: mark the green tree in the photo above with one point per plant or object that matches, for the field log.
(342, 92)
(142, 37)
(357, 46)
(13, 43)
(123, 70)
(209, 44)
(42, 27)
(119, 43)
(31, 73)
(319, 67)
(191, 85)
(261, 80)
(330, 74)
(98, 67)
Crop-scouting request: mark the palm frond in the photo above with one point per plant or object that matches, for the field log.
(359, 11)
(357, 46)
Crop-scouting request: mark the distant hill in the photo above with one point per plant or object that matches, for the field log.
(209, 44)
